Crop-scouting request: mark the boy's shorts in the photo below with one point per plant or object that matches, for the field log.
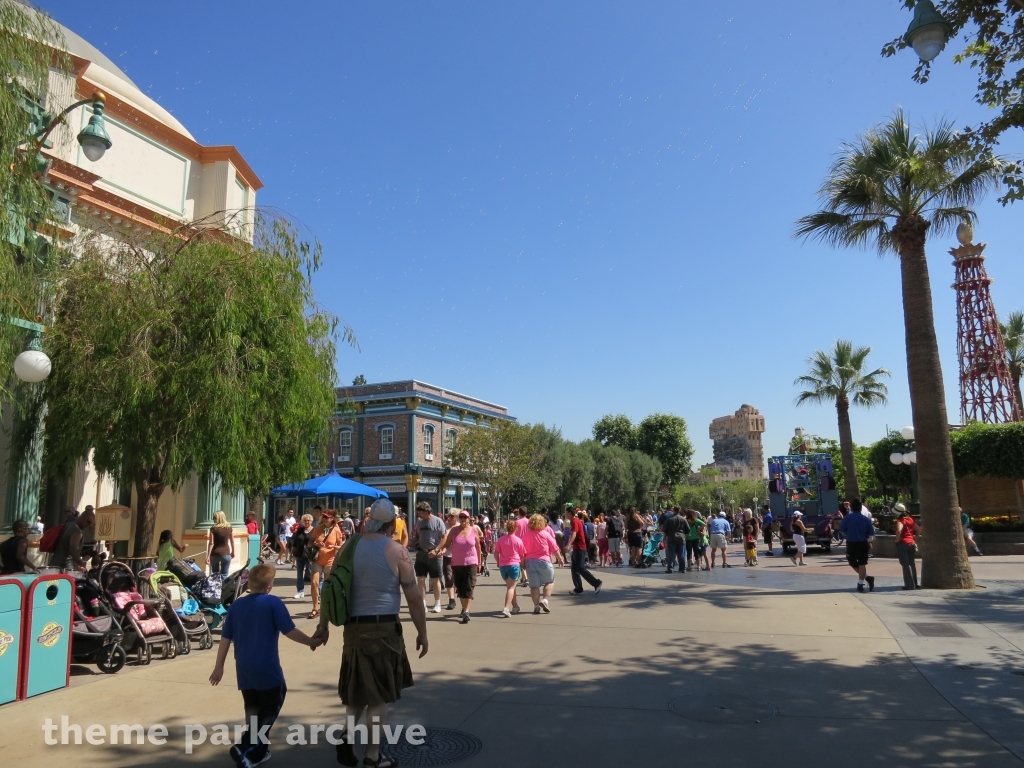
(509, 572)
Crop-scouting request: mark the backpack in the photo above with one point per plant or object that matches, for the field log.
(337, 590)
(50, 539)
(613, 529)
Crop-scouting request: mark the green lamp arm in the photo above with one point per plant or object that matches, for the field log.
(97, 96)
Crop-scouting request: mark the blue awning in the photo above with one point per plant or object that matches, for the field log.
(331, 484)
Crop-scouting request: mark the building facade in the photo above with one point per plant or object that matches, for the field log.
(154, 176)
(394, 436)
(738, 453)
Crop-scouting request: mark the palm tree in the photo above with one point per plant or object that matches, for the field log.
(889, 189)
(1013, 338)
(838, 377)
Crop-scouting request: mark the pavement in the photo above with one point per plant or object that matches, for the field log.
(771, 665)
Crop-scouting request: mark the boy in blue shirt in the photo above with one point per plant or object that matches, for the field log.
(253, 623)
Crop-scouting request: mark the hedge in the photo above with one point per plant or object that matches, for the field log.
(992, 450)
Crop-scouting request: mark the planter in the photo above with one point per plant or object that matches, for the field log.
(991, 543)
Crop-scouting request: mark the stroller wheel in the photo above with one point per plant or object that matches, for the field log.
(144, 654)
(185, 647)
(170, 649)
(112, 659)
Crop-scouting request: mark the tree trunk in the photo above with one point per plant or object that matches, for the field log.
(851, 489)
(944, 555)
(149, 487)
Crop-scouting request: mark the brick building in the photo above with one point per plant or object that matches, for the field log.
(393, 436)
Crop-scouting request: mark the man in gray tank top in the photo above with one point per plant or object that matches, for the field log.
(374, 664)
(68, 553)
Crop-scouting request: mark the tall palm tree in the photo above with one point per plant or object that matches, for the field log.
(889, 189)
(838, 376)
(1013, 338)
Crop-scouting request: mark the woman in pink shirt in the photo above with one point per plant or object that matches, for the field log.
(540, 546)
(509, 551)
(464, 541)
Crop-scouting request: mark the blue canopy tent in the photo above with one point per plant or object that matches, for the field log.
(331, 484)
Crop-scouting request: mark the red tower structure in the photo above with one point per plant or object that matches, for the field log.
(986, 389)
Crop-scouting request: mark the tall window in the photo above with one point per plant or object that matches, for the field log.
(345, 445)
(450, 441)
(387, 442)
(428, 442)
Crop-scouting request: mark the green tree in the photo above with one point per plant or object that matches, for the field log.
(1013, 337)
(613, 477)
(890, 477)
(647, 474)
(663, 436)
(838, 377)
(888, 189)
(190, 352)
(359, 380)
(995, 50)
(500, 459)
(29, 48)
(616, 430)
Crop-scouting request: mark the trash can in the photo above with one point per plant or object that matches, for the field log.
(47, 639)
(12, 611)
(254, 550)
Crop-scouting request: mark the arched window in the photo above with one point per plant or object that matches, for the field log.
(345, 444)
(387, 442)
(428, 442)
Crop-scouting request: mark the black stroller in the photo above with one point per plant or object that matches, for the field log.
(95, 634)
(144, 622)
(189, 626)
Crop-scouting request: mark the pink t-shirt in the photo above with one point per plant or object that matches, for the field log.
(540, 545)
(509, 549)
(522, 525)
(464, 548)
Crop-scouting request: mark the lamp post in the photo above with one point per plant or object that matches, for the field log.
(93, 138)
(928, 31)
(909, 459)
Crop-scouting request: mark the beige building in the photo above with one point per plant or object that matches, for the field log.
(154, 175)
(737, 446)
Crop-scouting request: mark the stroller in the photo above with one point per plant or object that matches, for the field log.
(189, 625)
(144, 622)
(95, 634)
(651, 552)
(208, 591)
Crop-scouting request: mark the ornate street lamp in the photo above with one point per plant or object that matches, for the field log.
(32, 365)
(928, 32)
(93, 138)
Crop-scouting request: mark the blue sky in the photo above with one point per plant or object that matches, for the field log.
(571, 209)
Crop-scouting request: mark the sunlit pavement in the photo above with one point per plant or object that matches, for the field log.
(771, 665)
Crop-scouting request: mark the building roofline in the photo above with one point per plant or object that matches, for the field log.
(425, 384)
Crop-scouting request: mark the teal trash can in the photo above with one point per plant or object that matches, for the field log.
(12, 611)
(47, 652)
(254, 550)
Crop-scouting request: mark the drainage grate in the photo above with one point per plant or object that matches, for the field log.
(937, 629)
(441, 746)
(722, 709)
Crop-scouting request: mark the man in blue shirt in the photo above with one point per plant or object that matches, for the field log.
(253, 623)
(858, 530)
(719, 530)
(766, 526)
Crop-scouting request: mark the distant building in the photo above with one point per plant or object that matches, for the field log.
(393, 436)
(737, 446)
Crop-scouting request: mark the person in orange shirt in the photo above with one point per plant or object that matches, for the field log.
(401, 534)
(327, 539)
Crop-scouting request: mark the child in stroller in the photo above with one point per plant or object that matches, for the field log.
(652, 550)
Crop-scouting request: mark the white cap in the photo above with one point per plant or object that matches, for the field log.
(382, 512)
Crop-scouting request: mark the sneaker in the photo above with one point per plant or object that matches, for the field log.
(544, 605)
(597, 589)
(577, 591)
(245, 762)
(506, 613)
(793, 559)
(436, 608)
(860, 587)
(669, 570)
(801, 563)
(465, 617)
(450, 606)
(516, 609)
(299, 596)
(536, 609)
(871, 583)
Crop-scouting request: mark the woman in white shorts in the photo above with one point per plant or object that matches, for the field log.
(540, 547)
(799, 539)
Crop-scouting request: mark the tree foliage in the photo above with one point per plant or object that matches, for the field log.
(1013, 337)
(663, 437)
(616, 430)
(705, 496)
(498, 458)
(993, 33)
(891, 477)
(992, 450)
(190, 352)
(29, 47)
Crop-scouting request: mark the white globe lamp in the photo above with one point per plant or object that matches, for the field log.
(907, 433)
(896, 458)
(32, 366)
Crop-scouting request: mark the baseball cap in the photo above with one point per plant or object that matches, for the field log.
(721, 513)
(798, 514)
(382, 512)
(463, 513)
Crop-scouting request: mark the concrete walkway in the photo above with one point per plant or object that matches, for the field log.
(774, 665)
